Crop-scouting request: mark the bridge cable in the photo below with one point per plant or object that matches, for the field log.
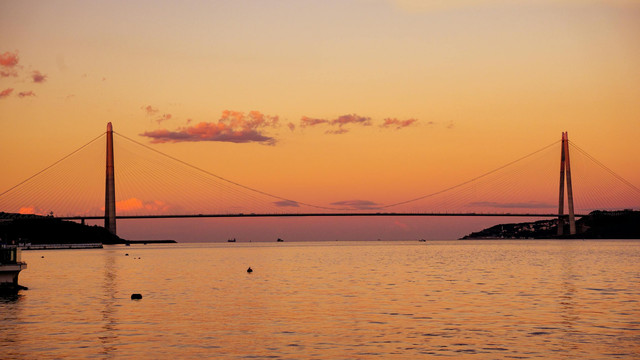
(54, 164)
(227, 180)
(623, 180)
(471, 180)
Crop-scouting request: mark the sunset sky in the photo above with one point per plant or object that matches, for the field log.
(322, 102)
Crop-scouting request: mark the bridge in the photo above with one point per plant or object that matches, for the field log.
(154, 185)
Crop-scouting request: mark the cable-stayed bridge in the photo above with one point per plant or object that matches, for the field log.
(141, 182)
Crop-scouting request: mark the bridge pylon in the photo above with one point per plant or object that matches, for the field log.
(110, 186)
(565, 169)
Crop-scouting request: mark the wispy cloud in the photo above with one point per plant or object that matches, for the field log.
(307, 121)
(38, 77)
(286, 203)
(358, 204)
(133, 204)
(341, 122)
(6, 92)
(515, 205)
(351, 119)
(233, 126)
(163, 117)
(150, 110)
(26, 93)
(397, 124)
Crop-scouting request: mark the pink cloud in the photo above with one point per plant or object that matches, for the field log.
(8, 73)
(398, 124)
(133, 204)
(286, 203)
(233, 126)
(337, 131)
(6, 92)
(351, 119)
(163, 117)
(340, 122)
(38, 77)
(9, 59)
(307, 121)
(150, 110)
(27, 210)
(26, 93)
(358, 204)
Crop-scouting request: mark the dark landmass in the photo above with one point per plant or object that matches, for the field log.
(36, 229)
(623, 224)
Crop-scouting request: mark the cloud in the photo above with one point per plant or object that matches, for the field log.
(26, 93)
(291, 126)
(286, 203)
(337, 132)
(358, 204)
(38, 77)
(307, 121)
(340, 122)
(6, 92)
(351, 119)
(150, 110)
(163, 117)
(522, 205)
(27, 210)
(9, 59)
(133, 204)
(233, 126)
(398, 124)
(8, 73)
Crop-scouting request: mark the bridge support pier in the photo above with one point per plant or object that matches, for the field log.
(110, 186)
(565, 169)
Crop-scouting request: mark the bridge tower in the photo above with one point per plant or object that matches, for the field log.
(110, 186)
(565, 169)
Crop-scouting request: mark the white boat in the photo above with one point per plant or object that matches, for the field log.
(10, 267)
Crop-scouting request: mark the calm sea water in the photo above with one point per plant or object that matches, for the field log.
(330, 300)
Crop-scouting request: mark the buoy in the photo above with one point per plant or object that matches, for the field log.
(249, 270)
(136, 296)
(43, 257)
(126, 254)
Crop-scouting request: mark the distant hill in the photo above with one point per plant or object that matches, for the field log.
(623, 224)
(36, 229)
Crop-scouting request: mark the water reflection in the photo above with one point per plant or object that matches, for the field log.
(11, 331)
(109, 335)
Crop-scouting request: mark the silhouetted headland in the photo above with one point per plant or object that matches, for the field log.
(49, 232)
(623, 224)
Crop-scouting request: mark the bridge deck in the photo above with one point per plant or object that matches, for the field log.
(311, 215)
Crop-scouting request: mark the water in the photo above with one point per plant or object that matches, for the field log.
(330, 300)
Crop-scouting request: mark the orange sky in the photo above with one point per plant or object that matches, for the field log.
(323, 101)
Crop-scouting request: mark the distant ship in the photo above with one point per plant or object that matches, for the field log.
(422, 240)
(279, 240)
(232, 240)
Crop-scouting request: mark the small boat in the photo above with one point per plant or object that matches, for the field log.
(231, 240)
(279, 240)
(422, 240)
